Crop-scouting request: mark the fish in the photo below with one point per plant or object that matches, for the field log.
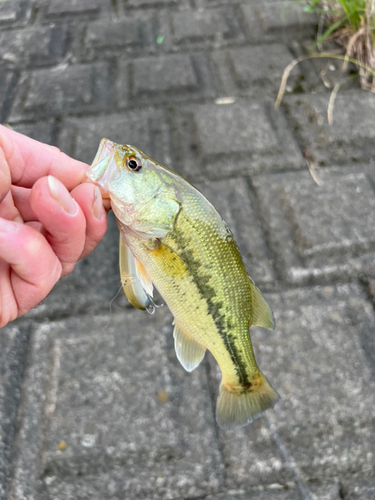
(173, 239)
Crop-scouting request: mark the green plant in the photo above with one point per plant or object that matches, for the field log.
(351, 23)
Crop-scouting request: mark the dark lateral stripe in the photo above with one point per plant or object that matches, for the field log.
(208, 293)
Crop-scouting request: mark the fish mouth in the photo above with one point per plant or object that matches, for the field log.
(103, 168)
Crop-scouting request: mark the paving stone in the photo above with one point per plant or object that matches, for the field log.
(243, 137)
(13, 350)
(146, 129)
(35, 47)
(43, 132)
(233, 201)
(351, 136)
(71, 7)
(321, 232)
(255, 70)
(252, 458)
(10, 10)
(324, 491)
(6, 84)
(149, 435)
(359, 488)
(217, 25)
(66, 89)
(164, 78)
(155, 3)
(316, 360)
(276, 21)
(127, 32)
(267, 494)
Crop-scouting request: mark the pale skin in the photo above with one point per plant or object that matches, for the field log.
(48, 220)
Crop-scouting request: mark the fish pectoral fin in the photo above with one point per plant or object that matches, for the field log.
(188, 351)
(261, 314)
(134, 279)
(144, 277)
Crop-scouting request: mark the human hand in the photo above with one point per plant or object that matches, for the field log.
(46, 223)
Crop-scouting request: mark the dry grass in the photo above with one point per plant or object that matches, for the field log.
(351, 23)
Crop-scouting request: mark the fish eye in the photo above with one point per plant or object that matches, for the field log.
(133, 163)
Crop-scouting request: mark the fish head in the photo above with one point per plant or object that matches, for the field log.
(141, 190)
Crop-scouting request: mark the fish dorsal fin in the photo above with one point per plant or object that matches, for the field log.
(134, 279)
(188, 351)
(261, 314)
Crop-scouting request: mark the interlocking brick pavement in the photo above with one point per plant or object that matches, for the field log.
(93, 402)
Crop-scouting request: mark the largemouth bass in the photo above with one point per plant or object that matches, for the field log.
(174, 239)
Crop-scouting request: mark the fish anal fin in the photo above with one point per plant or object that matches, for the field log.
(188, 351)
(237, 407)
(261, 314)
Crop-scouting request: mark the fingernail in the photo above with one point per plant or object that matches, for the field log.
(98, 204)
(6, 226)
(61, 195)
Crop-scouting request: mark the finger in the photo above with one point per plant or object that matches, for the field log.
(28, 160)
(21, 198)
(34, 269)
(8, 210)
(4, 176)
(62, 219)
(89, 199)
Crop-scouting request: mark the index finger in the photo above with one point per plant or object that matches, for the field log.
(28, 160)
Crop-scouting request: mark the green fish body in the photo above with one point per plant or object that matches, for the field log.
(173, 238)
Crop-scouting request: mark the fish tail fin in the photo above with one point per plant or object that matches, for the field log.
(238, 406)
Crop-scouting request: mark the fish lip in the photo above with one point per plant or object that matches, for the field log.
(103, 167)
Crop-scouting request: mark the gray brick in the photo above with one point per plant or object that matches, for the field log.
(123, 438)
(127, 32)
(273, 21)
(10, 10)
(164, 78)
(315, 358)
(6, 83)
(324, 491)
(254, 70)
(233, 201)
(71, 7)
(321, 232)
(175, 73)
(13, 349)
(359, 488)
(146, 129)
(281, 493)
(252, 458)
(351, 136)
(35, 47)
(71, 89)
(246, 136)
(218, 25)
(42, 132)
(154, 3)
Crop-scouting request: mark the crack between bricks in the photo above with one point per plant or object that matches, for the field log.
(287, 459)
